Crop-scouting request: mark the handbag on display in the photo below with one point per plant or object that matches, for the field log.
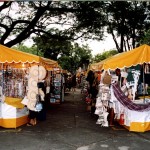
(107, 79)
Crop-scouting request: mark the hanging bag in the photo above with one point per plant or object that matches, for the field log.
(107, 78)
(39, 105)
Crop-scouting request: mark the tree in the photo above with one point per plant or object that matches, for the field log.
(127, 18)
(104, 55)
(86, 19)
(52, 48)
(31, 50)
(81, 19)
(79, 56)
(146, 38)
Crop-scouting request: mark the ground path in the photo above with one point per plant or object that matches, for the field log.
(70, 126)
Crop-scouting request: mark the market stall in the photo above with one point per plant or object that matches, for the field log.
(18, 72)
(128, 97)
(58, 85)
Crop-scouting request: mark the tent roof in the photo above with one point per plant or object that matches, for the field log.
(136, 56)
(9, 55)
(99, 65)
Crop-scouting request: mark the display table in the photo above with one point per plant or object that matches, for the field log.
(137, 121)
(11, 116)
(134, 115)
(133, 120)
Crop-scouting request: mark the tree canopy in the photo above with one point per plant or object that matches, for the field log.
(104, 55)
(20, 20)
(74, 19)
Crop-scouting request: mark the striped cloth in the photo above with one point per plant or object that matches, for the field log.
(126, 102)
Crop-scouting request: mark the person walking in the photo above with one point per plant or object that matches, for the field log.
(74, 83)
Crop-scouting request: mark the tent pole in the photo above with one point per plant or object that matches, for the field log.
(2, 79)
(144, 90)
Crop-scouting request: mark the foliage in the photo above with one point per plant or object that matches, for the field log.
(21, 20)
(146, 38)
(78, 57)
(127, 19)
(75, 19)
(31, 50)
(53, 47)
(104, 55)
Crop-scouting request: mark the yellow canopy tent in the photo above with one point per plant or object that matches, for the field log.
(15, 57)
(139, 55)
(19, 59)
(136, 56)
(99, 66)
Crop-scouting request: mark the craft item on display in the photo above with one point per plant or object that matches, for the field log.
(147, 69)
(52, 100)
(126, 102)
(105, 96)
(105, 89)
(105, 123)
(121, 120)
(57, 100)
(124, 81)
(100, 120)
(20, 89)
(37, 72)
(1, 92)
(88, 100)
(105, 103)
(114, 78)
(98, 111)
(98, 103)
(124, 89)
(107, 79)
(32, 83)
(31, 94)
(25, 100)
(57, 96)
(136, 75)
(124, 74)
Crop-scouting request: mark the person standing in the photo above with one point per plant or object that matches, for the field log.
(74, 83)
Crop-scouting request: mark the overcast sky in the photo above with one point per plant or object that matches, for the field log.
(101, 46)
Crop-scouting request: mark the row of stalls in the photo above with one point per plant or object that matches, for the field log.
(123, 91)
(21, 75)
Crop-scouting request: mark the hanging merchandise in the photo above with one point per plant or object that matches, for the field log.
(35, 86)
(102, 104)
(20, 73)
(106, 78)
(57, 88)
(121, 120)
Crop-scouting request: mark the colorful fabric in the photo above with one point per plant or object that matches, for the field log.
(126, 102)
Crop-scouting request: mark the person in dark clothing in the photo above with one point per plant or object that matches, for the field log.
(74, 82)
(32, 118)
(90, 79)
